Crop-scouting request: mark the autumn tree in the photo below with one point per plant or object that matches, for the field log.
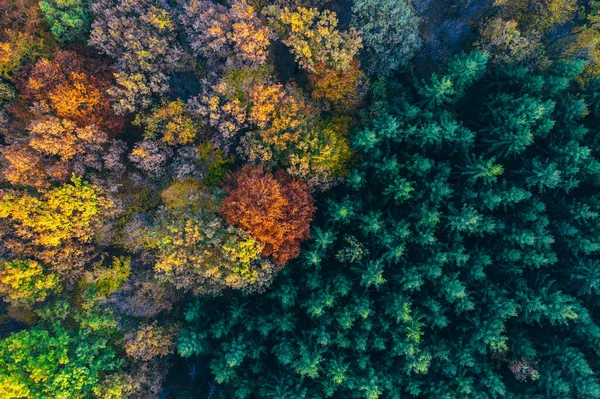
(54, 149)
(268, 123)
(196, 250)
(150, 341)
(25, 282)
(170, 123)
(505, 43)
(584, 41)
(142, 37)
(24, 36)
(69, 126)
(99, 283)
(74, 87)
(540, 16)
(56, 226)
(142, 296)
(248, 98)
(313, 37)
(323, 157)
(327, 54)
(225, 36)
(275, 209)
(340, 87)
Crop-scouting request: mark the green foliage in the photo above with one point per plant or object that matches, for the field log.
(52, 360)
(218, 163)
(69, 20)
(103, 281)
(460, 254)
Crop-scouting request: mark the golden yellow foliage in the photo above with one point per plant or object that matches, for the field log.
(76, 100)
(68, 212)
(25, 282)
(171, 122)
(250, 38)
(314, 37)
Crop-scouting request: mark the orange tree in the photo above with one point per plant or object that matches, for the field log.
(274, 208)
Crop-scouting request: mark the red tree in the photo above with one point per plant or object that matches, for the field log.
(275, 209)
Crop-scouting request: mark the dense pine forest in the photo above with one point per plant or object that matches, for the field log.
(299, 199)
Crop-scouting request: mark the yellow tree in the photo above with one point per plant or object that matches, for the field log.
(171, 123)
(55, 226)
(326, 53)
(25, 282)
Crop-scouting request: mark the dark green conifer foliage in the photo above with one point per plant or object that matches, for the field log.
(460, 260)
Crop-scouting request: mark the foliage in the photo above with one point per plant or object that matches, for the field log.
(541, 16)
(217, 163)
(505, 43)
(389, 30)
(53, 361)
(224, 36)
(313, 37)
(24, 36)
(74, 87)
(171, 122)
(69, 20)
(460, 253)
(340, 87)
(281, 126)
(25, 282)
(328, 54)
(141, 35)
(70, 124)
(195, 250)
(158, 161)
(274, 209)
(150, 341)
(56, 225)
(101, 282)
(324, 156)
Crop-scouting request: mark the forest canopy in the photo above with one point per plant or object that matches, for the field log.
(299, 199)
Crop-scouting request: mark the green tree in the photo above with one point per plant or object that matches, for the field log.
(69, 20)
(51, 360)
(460, 253)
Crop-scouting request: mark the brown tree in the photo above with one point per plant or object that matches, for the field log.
(150, 341)
(274, 208)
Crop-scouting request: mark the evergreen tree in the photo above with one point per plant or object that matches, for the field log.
(459, 259)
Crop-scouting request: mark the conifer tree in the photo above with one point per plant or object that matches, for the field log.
(458, 260)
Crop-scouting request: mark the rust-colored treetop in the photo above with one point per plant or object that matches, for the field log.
(274, 208)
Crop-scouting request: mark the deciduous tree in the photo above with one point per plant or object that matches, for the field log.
(142, 37)
(275, 209)
(56, 226)
(51, 360)
(69, 20)
(226, 36)
(25, 282)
